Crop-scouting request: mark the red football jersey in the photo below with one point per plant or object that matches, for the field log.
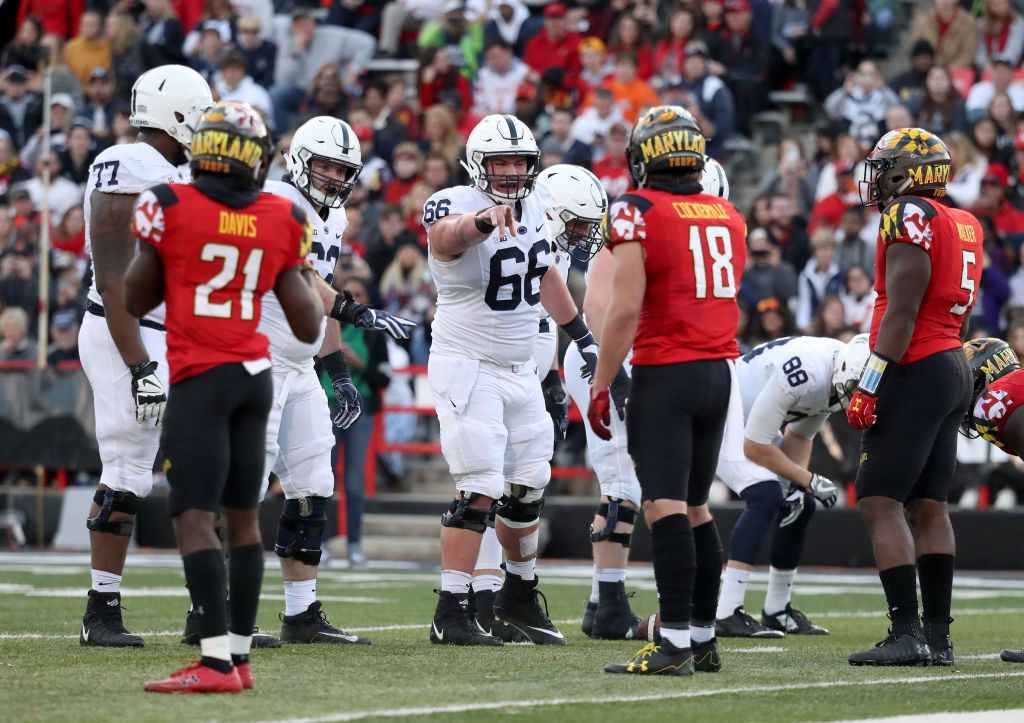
(218, 262)
(995, 405)
(953, 241)
(695, 247)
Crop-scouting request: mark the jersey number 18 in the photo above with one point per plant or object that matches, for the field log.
(719, 247)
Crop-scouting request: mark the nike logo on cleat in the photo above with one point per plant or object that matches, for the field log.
(85, 634)
(113, 603)
(439, 634)
(349, 638)
(481, 628)
(553, 633)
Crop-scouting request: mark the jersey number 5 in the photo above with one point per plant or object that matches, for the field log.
(966, 284)
(251, 273)
(719, 244)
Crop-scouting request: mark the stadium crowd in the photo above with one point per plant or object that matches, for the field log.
(412, 77)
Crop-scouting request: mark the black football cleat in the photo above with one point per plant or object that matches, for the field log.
(705, 657)
(587, 626)
(1012, 655)
(453, 622)
(312, 626)
(905, 649)
(742, 625)
(791, 622)
(264, 640)
(614, 619)
(516, 604)
(656, 659)
(483, 614)
(191, 636)
(936, 634)
(102, 625)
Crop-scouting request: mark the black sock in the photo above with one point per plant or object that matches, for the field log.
(708, 578)
(936, 575)
(205, 575)
(223, 666)
(245, 574)
(609, 592)
(900, 584)
(673, 555)
(239, 659)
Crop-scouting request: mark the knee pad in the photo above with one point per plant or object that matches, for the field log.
(113, 501)
(521, 506)
(463, 517)
(300, 530)
(613, 512)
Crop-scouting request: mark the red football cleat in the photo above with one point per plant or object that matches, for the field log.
(198, 678)
(245, 675)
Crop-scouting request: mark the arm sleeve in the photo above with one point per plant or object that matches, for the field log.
(148, 222)
(768, 413)
(907, 220)
(626, 222)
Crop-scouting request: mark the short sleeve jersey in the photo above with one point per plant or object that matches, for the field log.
(129, 168)
(218, 263)
(994, 407)
(695, 247)
(953, 241)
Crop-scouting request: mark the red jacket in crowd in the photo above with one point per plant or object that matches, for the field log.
(59, 17)
(542, 52)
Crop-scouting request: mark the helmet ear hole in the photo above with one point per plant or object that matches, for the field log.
(179, 117)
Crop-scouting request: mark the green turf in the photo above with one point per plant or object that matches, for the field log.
(56, 679)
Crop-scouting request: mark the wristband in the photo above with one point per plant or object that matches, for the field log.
(874, 371)
(141, 370)
(346, 309)
(334, 364)
(552, 378)
(483, 226)
(576, 329)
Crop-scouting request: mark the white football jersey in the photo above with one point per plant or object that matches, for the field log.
(285, 349)
(787, 382)
(488, 299)
(129, 168)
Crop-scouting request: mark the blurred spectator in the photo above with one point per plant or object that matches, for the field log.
(62, 79)
(11, 171)
(15, 344)
(236, 84)
(412, 209)
(19, 285)
(770, 319)
(57, 16)
(791, 41)
(993, 204)
(78, 154)
(64, 326)
(208, 52)
(991, 141)
(845, 152)
(829, 210)
(162, 35)
(441, 80)
(967, 168)
(6, 228)
(554, 46)
(437, 171)
(407, 164)
(789, 176)
(951, 31)
(358, 14)
(744, 55)
(126, 63)
(994, 292)
(1000, 110)
(461, 39)
(558, 140)
(494, 89)
(858, 297)
(830, 319)
(909, 84)
(898, 117)
(941, 108)
(390, 234)
(440, 134)
(90, 49)
(406, 288)
(62, 109)
(69, 234)
(62, 193)
(856, 240)
(835, 26)
(821, 276)
(400, 108)
(788, 231)
(861, 102)
(21, 111)
(1000, 34)
(595, 66)
(766, 275)
(25, 215)
(708, 98)
(593, 124)
(25, 49)
(326, 96)
(99, 104)
(219, 16)
(505, 20)
(630, 36)
(375, 174)
(670, 50)
(713, 12)
(1000, 81)
(303, 48)
(258, 51)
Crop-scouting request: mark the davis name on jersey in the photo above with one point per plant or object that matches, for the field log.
(488, 299)
(284, 347)
(129, 168)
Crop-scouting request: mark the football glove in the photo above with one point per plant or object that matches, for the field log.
(348, 405)
(588, 350)
(824, 490)
(861, 411)
(619, 390)
(792, 506)
(557, 403)
(376, 320)
(148, 392)
(599, 413)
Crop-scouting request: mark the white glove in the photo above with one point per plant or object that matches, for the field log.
(148, 393)
(793, 506)
(377, 320)
(824, 490)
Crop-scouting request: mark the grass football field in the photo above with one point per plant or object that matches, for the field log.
(46, 675)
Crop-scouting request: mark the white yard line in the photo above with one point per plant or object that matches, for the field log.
(986, 716)
(672, 695)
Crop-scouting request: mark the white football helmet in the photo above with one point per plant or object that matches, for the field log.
(713, 180)
(848, 366)
(327, 139)
(170, 98)
(574, 194)
(501, 135)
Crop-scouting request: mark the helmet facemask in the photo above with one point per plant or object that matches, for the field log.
(332, 192)
(583, 245)
(486, 180)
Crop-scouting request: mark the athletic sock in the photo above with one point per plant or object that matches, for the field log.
(708, 578)
(734, 590)
(490, 554)
(595, 589)
(298, 596)
(455, 581)
(486, 583)
(674, 569)
(678, 637)
(524, 569)
(103, 581)
(216, 652)
(206, 577)
(240, 646)
(780, 590)
(245, 579)
(610, 574)
(702, 633)
(900, 584)
(936, 575)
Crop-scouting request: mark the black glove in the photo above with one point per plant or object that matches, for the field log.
(148, 392)
(349, 404)
(556, 402)
(585, 342)
(793, 506)
(377, 320)
(346, 309)
(619, 391)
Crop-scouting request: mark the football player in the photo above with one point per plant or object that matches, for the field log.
(213, 249)
(997, 394)
(915, 389)
(678, 254)
(124, 358)
(490, 255)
